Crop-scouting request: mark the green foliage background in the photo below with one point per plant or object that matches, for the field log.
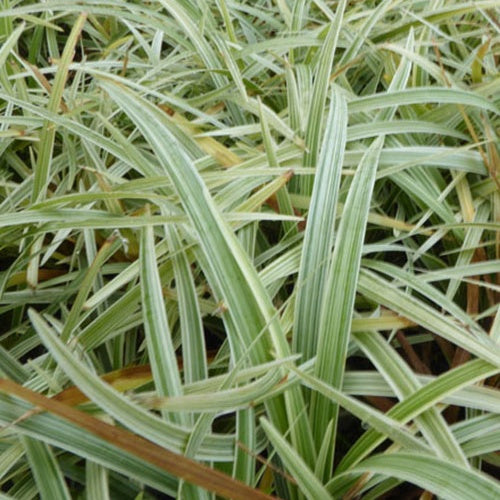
(259, 237)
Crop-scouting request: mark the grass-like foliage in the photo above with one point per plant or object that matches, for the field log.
(249, 249)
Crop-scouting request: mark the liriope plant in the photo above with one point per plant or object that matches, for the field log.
(249, 249)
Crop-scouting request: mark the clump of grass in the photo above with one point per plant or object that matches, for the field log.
(249, 249)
